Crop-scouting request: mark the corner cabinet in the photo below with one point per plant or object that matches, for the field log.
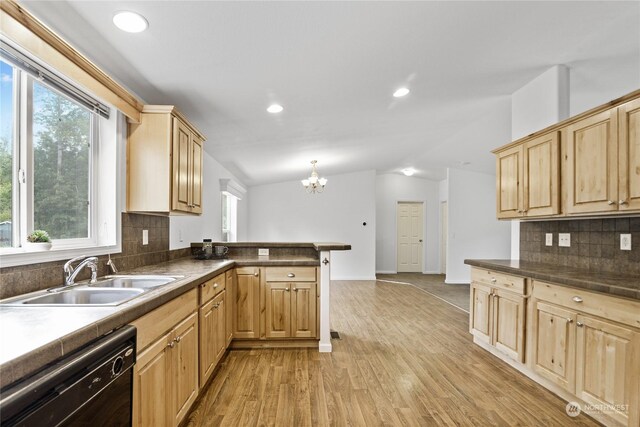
(164, 163)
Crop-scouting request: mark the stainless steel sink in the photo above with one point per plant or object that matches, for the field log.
(81, 297)
(133, 281)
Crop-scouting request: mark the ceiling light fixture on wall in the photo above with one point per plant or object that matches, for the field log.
(403, 91)
(408, 171)
(275, 108)
(130, 22)
(313, 184)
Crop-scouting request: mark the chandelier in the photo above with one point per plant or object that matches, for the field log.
(313, 184)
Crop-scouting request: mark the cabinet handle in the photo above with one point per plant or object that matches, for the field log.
(295, 289)
(611, 202)
(291, 275)
(494, 280)
(622, 202)
(580, 324)
(255, 274)
(215, 285)
(286, 289)
(204, 285)
(171, 344)
(178, 338)
(569, 320)
(576, 299)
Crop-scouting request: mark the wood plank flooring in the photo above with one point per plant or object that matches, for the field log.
(405, 359)
(456, 294)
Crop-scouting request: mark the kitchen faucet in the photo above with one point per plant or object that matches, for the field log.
(70, 272)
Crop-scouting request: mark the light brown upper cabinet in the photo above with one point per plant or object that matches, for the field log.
(527, 178)
(591, 161)
(164, 163)
(629, 155)
(586, 165)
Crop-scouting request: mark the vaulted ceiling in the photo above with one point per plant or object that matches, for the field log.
(334, 67)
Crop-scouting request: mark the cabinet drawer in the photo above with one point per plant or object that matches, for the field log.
(154, 324)
(211, 288)
(291, 274)
(620, 310)
(498, 280)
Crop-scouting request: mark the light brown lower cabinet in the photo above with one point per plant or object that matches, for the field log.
(166, 377)
(212, 320)
(497, 318)
(290, 309)
(246, 299)
(231, 285)
(591, 357)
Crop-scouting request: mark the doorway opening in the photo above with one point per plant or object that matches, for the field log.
(409, 236)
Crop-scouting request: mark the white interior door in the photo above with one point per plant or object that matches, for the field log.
(410, 222)
(444, 217)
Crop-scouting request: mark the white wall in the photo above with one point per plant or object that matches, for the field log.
(394, 188)
(185, 229)
(285, 212)
(474, 231)
(541, 102)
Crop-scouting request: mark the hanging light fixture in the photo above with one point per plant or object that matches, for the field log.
(314, 184)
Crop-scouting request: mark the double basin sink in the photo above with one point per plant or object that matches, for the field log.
(106, 291)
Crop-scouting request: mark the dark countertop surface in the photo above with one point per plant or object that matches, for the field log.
(32, 337)
(319, 246)
(617, 284)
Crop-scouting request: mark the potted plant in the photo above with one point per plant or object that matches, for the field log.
(38, 240)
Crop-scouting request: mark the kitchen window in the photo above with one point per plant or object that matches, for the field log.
(229, 217)
(58, 152)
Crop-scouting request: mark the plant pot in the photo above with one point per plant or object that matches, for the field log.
(37, 247)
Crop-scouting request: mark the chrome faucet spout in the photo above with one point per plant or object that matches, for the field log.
(70, 272)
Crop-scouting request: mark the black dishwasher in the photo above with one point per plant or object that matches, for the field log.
(92, 387)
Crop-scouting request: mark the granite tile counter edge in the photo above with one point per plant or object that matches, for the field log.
(562, 280)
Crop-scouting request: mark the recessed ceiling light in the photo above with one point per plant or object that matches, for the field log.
(408, 171)
(275, 108)
(403, 91)
(130, 22)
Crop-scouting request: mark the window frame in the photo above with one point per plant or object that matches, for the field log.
(103, 237)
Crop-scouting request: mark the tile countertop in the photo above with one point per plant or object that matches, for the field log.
(32, 337)
(618, 284)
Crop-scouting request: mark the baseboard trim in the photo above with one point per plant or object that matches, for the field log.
(431, 272)
(387, 272)
(325, 348)
(350, 278)
(456, 282)
(238, 344)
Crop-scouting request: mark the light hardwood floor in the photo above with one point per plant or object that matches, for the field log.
(456, 294)
(405, 358)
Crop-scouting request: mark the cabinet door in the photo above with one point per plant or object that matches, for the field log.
(278, 309)
(184, 368)
(591, 147)
(629, 155)
(303, 310)
(150, 384)
(607, 366)
(554, 344)
(246, 309)
(207, 326)
(196, 174)
(542, 175)
(182, 155)
(509, 176)
(508, 324)
(229, 309)
(221, 338)
(480, 319)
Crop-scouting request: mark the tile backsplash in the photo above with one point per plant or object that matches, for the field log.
(595, 244)
(32, 277)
